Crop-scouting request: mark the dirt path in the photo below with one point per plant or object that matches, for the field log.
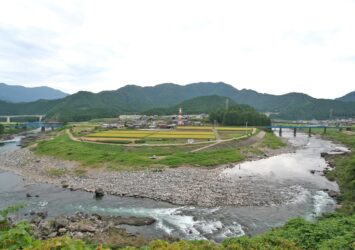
(246, 142)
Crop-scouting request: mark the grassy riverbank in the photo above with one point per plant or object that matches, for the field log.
(121, 158)
(344, 172)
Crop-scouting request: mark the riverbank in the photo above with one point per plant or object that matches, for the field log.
(207, 187)
(183, 185)
(319, 232)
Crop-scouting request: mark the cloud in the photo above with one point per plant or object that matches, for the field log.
(271, 46)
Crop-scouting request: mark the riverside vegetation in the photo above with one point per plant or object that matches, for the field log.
(332, 231)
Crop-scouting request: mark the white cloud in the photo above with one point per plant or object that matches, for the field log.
(270, 46)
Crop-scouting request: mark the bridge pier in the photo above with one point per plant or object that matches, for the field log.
(8, 119)
(325, 130)
(309, 132)
(280, 132)
(294, 132)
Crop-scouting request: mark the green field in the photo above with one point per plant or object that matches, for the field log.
(120, 157)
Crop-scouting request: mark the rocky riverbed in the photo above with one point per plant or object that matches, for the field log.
(91, 227)
(184, 185)
(225, 201)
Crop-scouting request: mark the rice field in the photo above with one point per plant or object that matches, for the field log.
(147, 134)
(179, 135)
(233, 129)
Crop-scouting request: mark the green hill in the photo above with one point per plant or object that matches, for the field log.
(197, 105)
(16, 93)
(134, 99)
(350, 97)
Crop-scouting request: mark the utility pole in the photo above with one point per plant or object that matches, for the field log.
(227, 104)
(330, 114)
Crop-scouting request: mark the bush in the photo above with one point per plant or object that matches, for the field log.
(2, 129)
(115, 142)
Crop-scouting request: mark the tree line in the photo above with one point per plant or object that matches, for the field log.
(239, 115)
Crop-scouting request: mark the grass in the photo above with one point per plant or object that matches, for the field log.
(272, 141)
(120, 157)
(344, 172)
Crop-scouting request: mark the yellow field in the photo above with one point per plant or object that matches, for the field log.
(194, 128)
(233, 129)
(174, 134)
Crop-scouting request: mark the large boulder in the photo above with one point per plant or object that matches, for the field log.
(61, 222)
(99, 193)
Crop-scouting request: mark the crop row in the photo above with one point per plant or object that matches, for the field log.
(156, 135)
(233, 129)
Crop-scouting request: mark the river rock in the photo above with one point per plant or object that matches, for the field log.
(324, 154)
(62, 230)
(61, 222)
(45, 227)
(99, 193)
(133, 221)
(333, 194)
(43, 214)
(64, 184)
(28, 195)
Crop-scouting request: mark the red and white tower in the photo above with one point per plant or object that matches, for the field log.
(180, 123)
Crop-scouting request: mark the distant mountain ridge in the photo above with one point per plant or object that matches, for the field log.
(350, 97)
(197, 105)
(132, 99)
(17, 93)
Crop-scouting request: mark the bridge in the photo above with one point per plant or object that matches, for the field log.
(309, 127)
(8, 117)
(35, 125)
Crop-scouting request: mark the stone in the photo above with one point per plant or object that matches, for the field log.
(28, 195)
(62, 230)
(132, 221)
(61, 222)
(99, 193)
(64, 184)
(45, 227)
(43, 214)
(52, 235)
(324, 154)
(333, 194)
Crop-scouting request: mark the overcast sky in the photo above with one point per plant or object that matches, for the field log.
(269, 46)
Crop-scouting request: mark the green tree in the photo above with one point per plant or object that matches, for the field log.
(2, 129)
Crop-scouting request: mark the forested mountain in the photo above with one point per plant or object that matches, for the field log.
(16, 93)
(350, 97)
(197, 105)
(134, 99)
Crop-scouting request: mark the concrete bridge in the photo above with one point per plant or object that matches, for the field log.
(309, 127)
(8, 117)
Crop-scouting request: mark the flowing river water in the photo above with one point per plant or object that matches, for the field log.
(192, 222)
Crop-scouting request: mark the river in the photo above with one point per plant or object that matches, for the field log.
(191, 222)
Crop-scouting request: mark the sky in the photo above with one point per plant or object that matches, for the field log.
(270, 46)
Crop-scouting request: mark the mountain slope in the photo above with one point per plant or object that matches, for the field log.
(134, 99)
(197, 105)
(16, 93)
(350, 97)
